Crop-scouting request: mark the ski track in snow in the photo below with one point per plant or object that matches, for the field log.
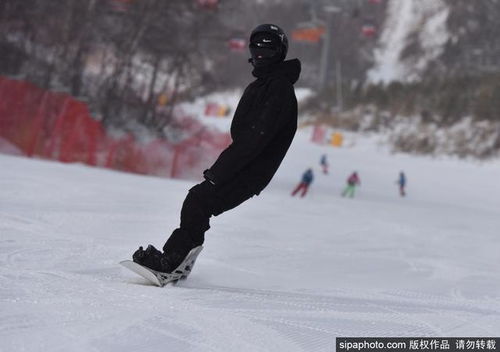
(276, 274)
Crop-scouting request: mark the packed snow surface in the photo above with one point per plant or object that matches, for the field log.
(277, 273)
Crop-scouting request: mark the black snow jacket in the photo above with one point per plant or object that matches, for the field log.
(262, 129)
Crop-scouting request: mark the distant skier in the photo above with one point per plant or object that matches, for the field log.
(262, 130)
(352, 182)
(307, 179)
(324, 164)
(402, 184)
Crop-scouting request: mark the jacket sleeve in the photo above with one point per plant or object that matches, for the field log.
(266, 120)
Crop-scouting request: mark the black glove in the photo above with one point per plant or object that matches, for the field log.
(207, 174)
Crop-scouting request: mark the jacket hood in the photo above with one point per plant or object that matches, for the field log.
(289, 69)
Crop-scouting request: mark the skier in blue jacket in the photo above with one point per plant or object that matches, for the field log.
(402, 184)
(307, 179)
(324, 164)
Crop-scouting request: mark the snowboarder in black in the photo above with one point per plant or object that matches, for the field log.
(262, 130)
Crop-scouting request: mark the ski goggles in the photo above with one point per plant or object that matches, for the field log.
(263, 46)
(259, 52)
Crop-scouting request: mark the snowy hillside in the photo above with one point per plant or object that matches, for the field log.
(414, 34)
(276, 274)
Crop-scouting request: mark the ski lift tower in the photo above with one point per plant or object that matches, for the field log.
(329, 11)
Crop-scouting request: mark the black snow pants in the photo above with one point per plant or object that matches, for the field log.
(203, 201)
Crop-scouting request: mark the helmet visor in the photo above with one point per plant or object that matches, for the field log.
(262, 51)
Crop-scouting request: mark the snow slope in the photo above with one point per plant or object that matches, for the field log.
(276, 274)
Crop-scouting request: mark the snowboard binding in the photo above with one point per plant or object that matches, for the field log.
(161, 279)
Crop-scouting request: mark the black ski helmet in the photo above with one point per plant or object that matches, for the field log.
(268, 44)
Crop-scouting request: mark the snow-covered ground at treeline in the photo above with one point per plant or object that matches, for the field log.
(276, 274)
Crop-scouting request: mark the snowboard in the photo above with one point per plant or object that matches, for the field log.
(161, 279)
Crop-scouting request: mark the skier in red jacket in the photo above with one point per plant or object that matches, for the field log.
(352, 182)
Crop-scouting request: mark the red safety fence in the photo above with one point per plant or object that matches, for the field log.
(319, 134)
(59, 127)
